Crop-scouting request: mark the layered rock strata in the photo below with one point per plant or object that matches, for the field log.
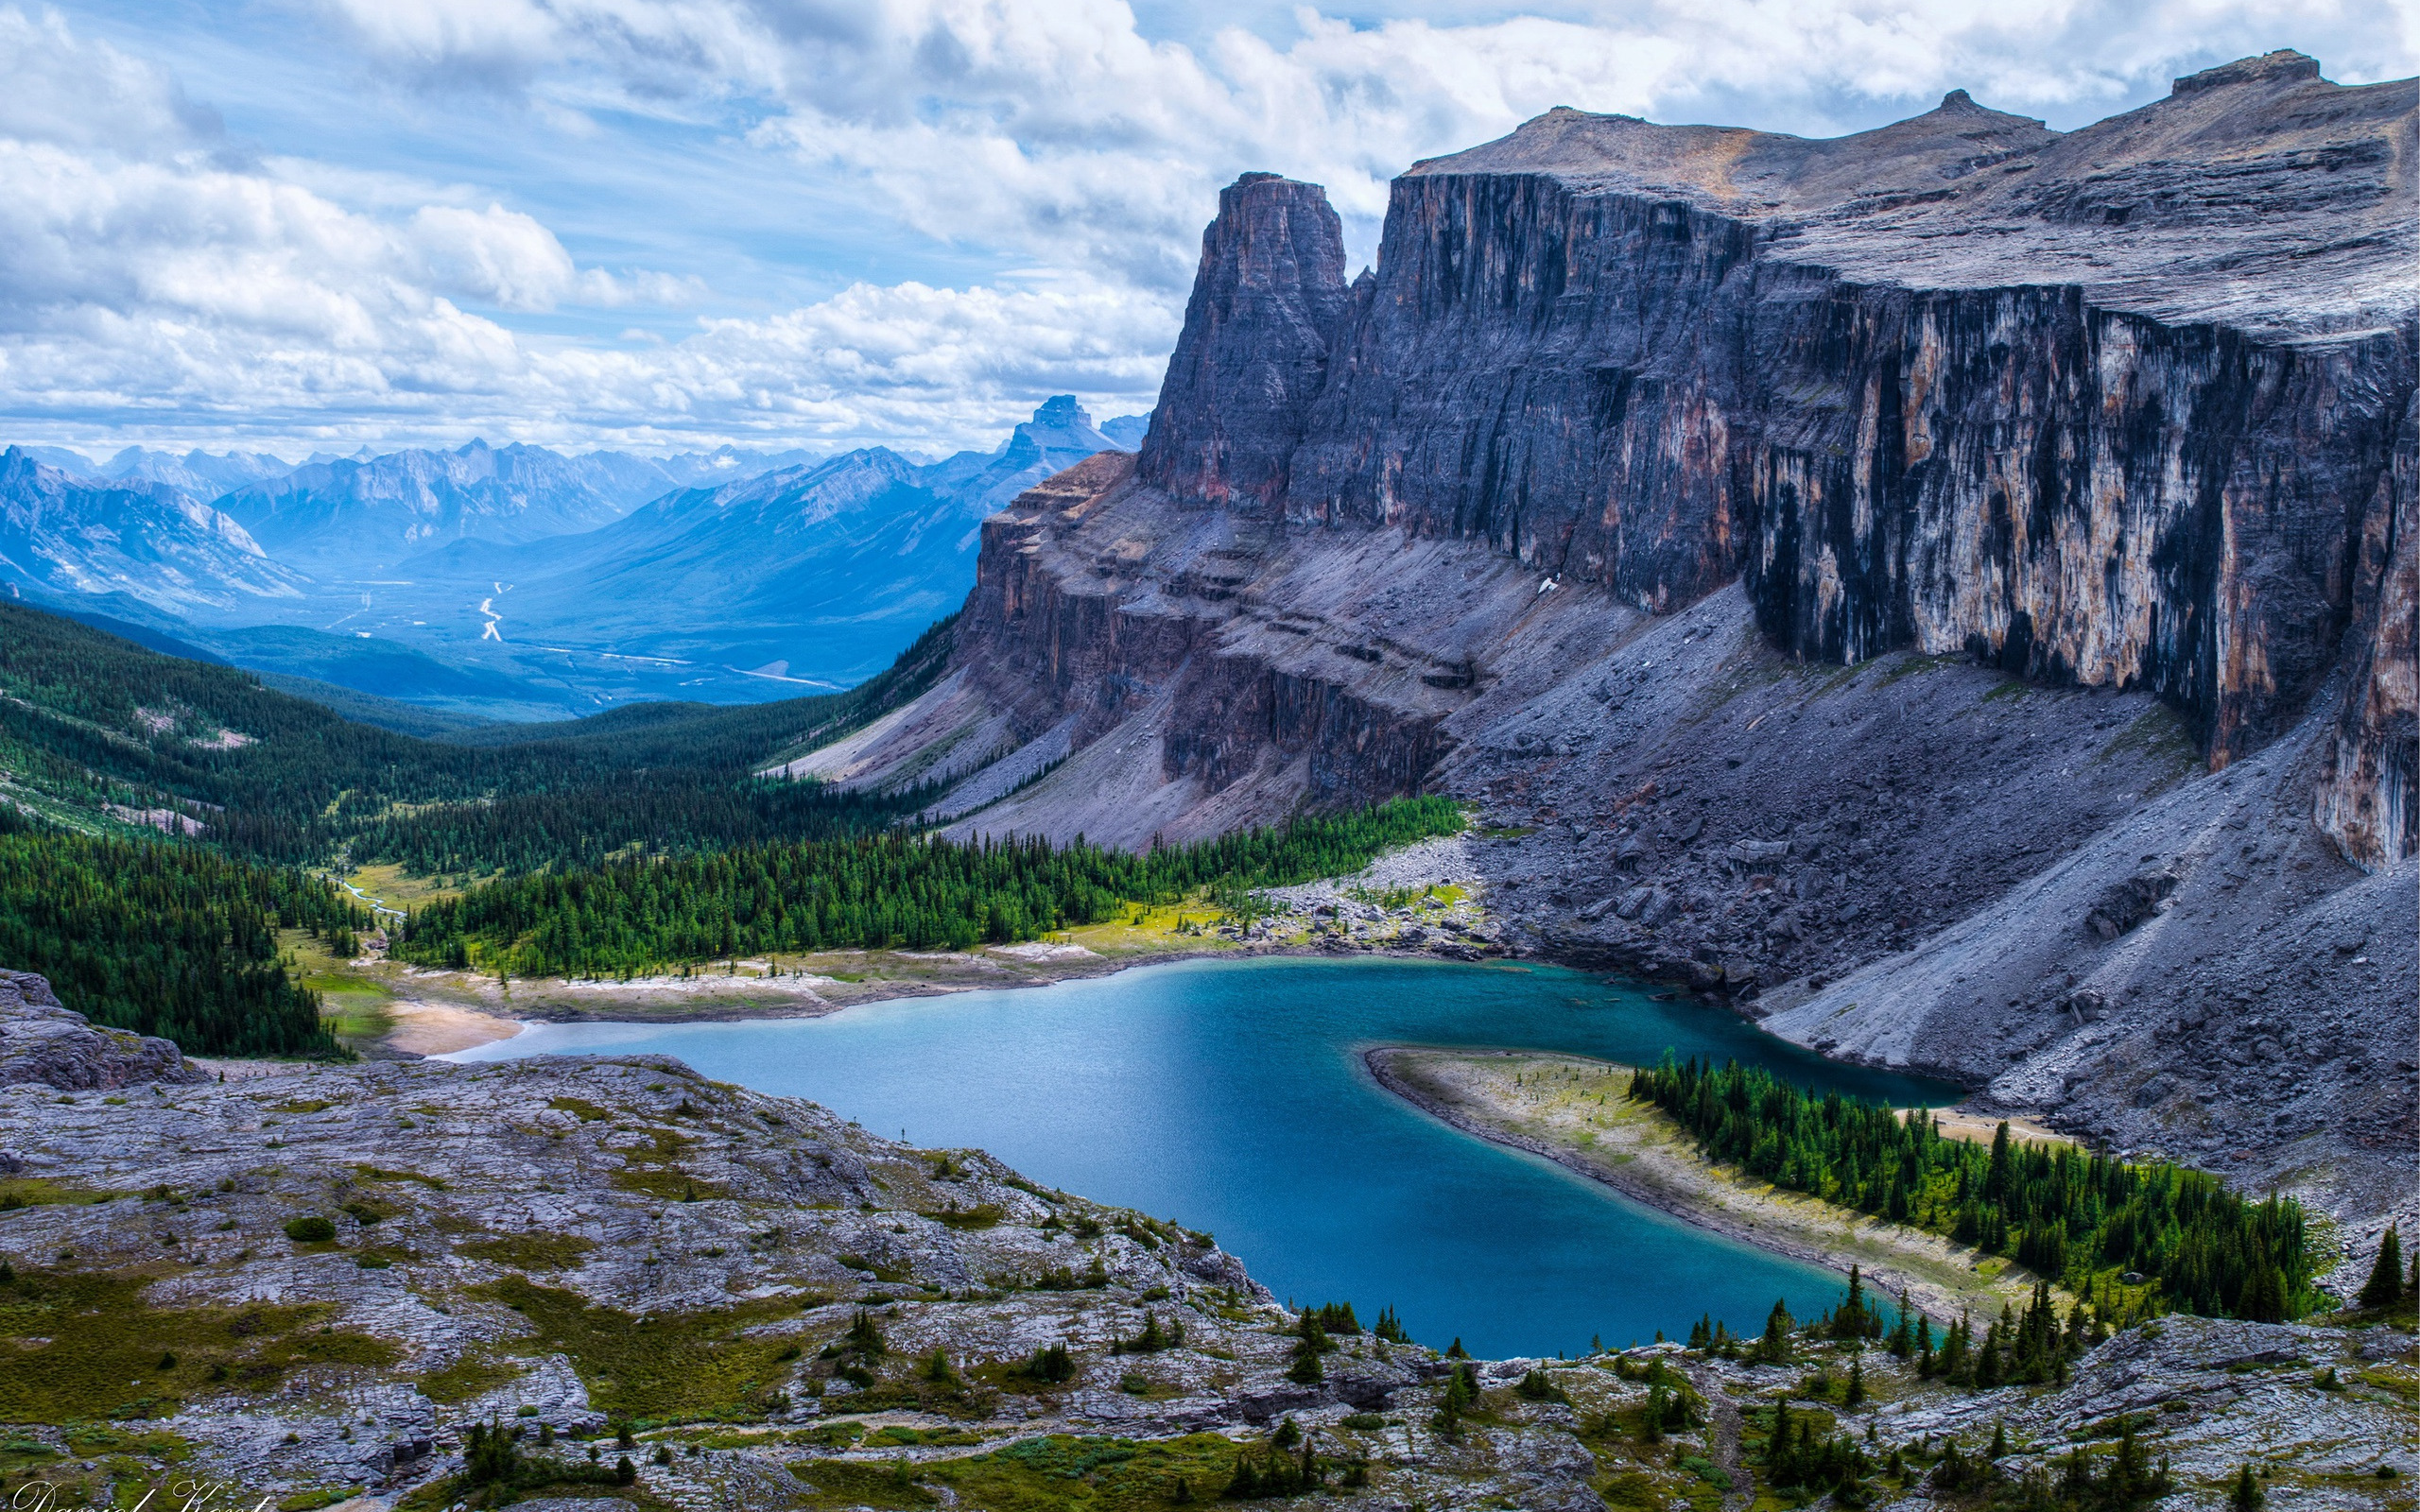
(43, 1042)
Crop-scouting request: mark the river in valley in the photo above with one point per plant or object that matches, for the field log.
(1231, 1096)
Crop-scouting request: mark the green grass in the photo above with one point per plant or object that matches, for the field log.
(474, 1374)
(666, 1365)
(1057, 1473)
(103, 1343)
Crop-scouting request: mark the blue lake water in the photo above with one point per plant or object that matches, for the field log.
(1231, 1096)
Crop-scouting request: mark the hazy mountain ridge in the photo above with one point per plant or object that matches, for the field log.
(819, 572)
(149, 541)
(517, 582)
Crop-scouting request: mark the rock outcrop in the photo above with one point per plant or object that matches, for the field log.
(2113, 407)
(1253, 351)
(42, 1041)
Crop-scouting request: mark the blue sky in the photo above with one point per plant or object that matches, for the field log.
(670, 223)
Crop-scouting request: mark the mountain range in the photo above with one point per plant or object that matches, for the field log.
(518, 582)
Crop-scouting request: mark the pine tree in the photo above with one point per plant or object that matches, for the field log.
(1773, 1348)
(2386, 1276)
(2247, 1495)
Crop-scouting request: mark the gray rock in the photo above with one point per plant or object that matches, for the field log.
(41, 1042)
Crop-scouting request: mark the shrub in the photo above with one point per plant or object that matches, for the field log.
(311, 1230)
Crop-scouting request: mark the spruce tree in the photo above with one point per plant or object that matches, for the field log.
(2386, 1276)
(2247, 1495)
(1773, 1348)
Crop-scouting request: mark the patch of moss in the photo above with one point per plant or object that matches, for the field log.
(666, 1365)
(837, 1483)
(100, 1358)
(2159, 735)
(982, 1215)
(474, 1374)
(35, 1191)
(318, 1497)
(372, 1173)
(586, 1111)
(1088, 1472)
(530, 1251)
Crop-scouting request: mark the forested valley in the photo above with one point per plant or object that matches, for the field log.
(873, 890)
(164, 819)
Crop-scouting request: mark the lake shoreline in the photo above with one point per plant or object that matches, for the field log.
(814, 997)
(1669, 1177)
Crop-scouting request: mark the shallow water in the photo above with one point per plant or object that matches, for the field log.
(1231, 1096)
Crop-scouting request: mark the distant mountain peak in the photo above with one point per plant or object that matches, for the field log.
(1061, 409)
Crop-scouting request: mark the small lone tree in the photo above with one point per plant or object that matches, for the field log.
(2247, 1495)
(2386, 1278)
(1773, 1348)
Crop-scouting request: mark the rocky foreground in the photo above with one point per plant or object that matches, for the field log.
(324, 1286)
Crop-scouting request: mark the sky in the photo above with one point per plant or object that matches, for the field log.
(658, 225)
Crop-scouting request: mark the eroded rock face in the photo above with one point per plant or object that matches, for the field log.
(1254, 347)
(42, 1041)
(2091, 455)
(1917, 386)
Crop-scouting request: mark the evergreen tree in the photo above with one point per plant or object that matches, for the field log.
(1773, 1348)
(2386, 1276)
(2065, 1213)
(2247, 1496)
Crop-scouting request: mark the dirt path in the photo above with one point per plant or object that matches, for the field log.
(1573, 1112)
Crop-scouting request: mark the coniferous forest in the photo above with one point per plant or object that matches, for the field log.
(2061, 1212)
(632, 918)
(167, 940)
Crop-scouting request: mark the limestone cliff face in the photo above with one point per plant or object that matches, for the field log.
(2127, 407)
(1253, 353)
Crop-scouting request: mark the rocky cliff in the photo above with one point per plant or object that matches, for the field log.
(1950, 589)
(2115, 408)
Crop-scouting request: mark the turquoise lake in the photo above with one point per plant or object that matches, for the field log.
(1231, 1096)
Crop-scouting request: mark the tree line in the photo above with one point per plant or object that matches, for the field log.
(167, 939)
(2065, 1213)
(871, 891)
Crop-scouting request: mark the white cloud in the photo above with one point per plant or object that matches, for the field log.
(157, 280)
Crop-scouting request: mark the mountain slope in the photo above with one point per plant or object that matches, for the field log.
(331, 516)
(1947, 588)
(64, 534)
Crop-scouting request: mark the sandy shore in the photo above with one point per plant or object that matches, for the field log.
(1550, 1105)
(427, 1028)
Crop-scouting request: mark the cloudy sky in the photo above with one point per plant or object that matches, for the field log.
(299, 224)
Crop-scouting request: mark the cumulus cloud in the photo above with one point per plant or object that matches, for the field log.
(158, 277)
